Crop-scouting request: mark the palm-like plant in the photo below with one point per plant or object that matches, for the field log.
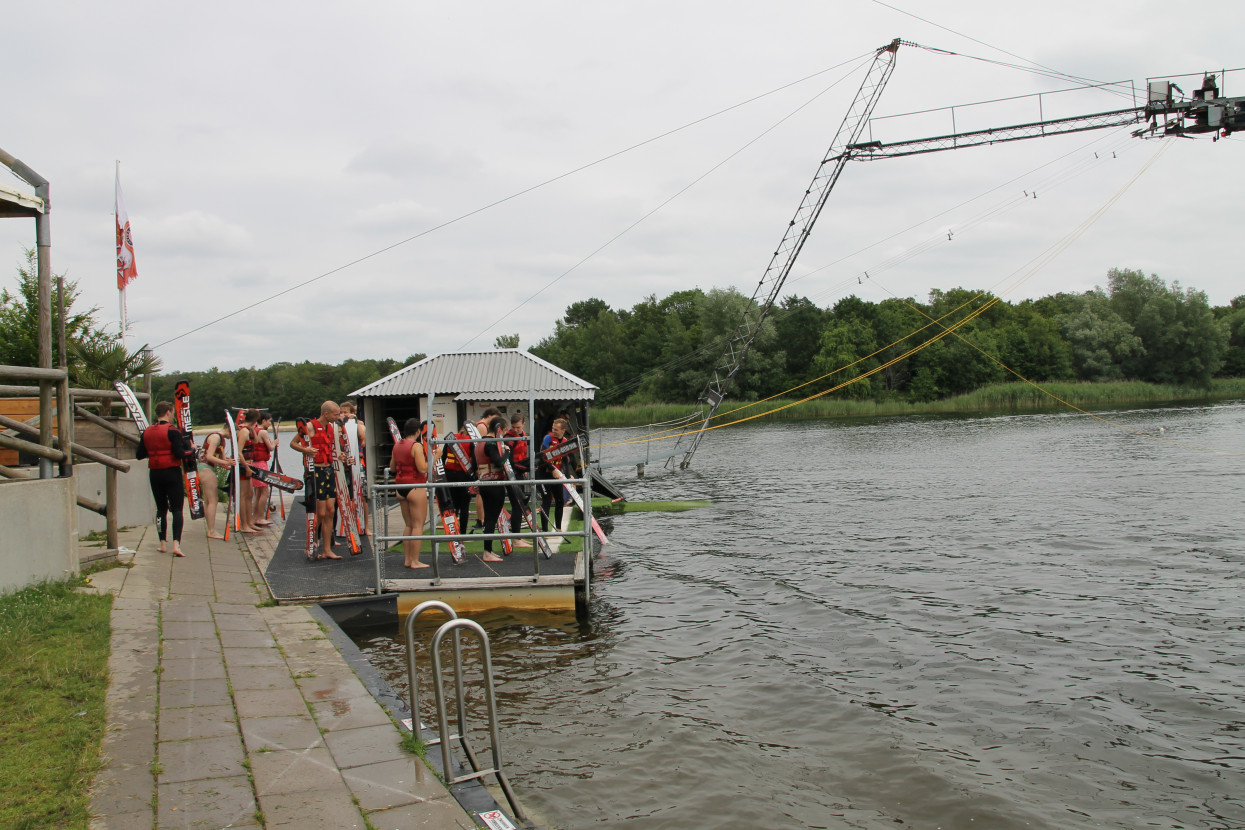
(98, 362)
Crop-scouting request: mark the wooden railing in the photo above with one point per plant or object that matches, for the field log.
(51, 448)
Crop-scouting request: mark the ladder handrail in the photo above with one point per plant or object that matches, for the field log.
(443, 726)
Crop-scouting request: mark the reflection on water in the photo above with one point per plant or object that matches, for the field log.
(1029, 621)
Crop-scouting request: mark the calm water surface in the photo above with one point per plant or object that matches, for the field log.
(1015, 622)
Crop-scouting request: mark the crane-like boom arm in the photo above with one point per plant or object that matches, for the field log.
(1203, 112)
(793, 240)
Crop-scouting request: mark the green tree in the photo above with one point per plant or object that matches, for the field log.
(1234, 316)
(1183, 341)
(506, 341)
(840, 353)
(19, 318)
(1099, 339)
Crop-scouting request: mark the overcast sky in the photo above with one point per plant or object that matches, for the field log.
(263, 145)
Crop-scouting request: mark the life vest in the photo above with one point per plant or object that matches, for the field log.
(451, 460)
(517, 442)
(259, 448)
(404, 469)
(248, 446)
(159, 447)
(322, 442)
(549, 444)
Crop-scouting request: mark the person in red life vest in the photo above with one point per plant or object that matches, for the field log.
(552, 492)
(482, 427)
(489, 460)
(322, 449)
(459, 466)
(520, 460)
(261, 452)
(246, 494)
(164, 447)
(212, 458)
(410, 466)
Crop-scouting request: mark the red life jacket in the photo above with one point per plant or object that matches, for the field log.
(518, 448)
(451, 459)
(404, 469)
(159, 447)
(259, 449)
(322, 441)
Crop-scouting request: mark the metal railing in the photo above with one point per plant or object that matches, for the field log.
(379, 495)
(444, 735)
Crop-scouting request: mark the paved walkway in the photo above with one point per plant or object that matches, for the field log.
(222, 713)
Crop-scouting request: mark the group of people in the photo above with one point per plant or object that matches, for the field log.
(466, 460)
(166, 449)
(320, 449)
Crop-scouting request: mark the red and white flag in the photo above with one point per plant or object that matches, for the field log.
(127, 268)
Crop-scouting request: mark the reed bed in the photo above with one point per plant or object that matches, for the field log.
(1004, 397)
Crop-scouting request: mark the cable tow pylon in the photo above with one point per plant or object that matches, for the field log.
(798, 230)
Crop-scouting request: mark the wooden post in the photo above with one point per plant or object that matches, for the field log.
(110, 515)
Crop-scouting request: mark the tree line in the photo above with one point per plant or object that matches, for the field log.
(663, 351)
(1136, 328)
(287, 390)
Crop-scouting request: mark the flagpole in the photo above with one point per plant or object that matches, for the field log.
(127, 269)
(120, 283)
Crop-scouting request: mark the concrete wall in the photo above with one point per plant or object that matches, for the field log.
(38, 532)
(135, 506)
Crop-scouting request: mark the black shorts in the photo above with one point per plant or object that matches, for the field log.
(326, 482)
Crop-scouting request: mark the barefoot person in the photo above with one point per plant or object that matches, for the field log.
(322, 449)
(261, 451)
(489, 459)
(211, 462)
(410, 466)
(246, 494)
(164, 447)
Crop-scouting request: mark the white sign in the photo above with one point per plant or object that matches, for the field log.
(496, 820)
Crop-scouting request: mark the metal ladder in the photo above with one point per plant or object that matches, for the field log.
(454, 626)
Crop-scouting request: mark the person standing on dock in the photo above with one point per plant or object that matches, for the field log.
(164, 447)
(489, 463)
(351, 420)
(459, 466)
(410, 466)
(212, 478)
(552, 492)
(261, 452)
(322, 449)
(520, 460)
(247, 419)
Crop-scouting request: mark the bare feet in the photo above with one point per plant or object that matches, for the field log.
(214, 536)
(177, 551)
(250, 530)
(164, 548)
(328, 556)
(417, 565)
(492, 557)
(263, 524)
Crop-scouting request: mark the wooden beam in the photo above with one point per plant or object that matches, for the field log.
(102, 422)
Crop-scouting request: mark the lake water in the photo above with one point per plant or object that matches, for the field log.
(1014, 622)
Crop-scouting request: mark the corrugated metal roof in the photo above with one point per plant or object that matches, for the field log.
(497, 374)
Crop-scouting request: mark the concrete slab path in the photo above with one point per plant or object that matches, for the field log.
(226, 713)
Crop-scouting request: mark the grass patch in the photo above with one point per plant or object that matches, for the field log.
(54, 645)
(415, 745)
(1002, 397)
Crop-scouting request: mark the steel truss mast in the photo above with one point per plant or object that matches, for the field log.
(1163, 116)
